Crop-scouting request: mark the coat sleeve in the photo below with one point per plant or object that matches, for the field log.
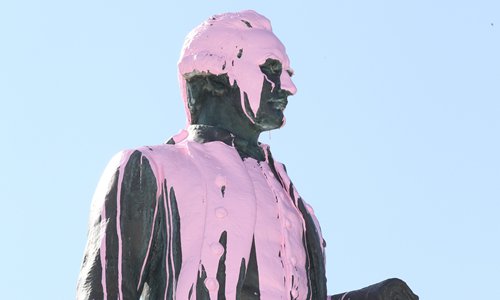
(123, 236)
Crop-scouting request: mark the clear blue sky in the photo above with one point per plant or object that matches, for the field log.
(393, 137)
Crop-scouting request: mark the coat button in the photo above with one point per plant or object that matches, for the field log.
(211, 284)
(220, 180)
(220, 212)
(217, 248)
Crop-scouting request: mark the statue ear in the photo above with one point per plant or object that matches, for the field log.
(196, 94)
(208, 85)
(202, 87)
(217, 85)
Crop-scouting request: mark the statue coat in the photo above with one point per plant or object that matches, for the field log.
(191, 220)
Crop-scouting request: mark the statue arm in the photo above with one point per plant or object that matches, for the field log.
(390, 289)
(122, 238)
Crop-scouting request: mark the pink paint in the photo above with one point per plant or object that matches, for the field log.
(293, 226)
(103, 251)
(217, 249)
(119, 231)
(99, 205)
(220, 181)
(169, 260)
(225, 44)
(253, 200)
(221, 212)
(254, 206)
(149, 244)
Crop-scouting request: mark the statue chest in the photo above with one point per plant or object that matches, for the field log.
(240, 230)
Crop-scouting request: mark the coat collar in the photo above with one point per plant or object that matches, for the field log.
(206, 133)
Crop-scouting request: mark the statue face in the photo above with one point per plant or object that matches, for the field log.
(273, 98)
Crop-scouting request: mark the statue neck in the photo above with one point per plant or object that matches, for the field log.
(214, 102)
(226, 113)
(207, 133)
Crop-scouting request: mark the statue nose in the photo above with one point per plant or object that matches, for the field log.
(287, 83)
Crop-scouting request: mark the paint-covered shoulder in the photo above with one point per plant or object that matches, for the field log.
(154, 157)
(125, 157)
(155, 151)
(116, 166)
(281, 165)
(124, 211)
(164, 150)
(281, 168)
(171, 162)
(131, 161)
(163, 153)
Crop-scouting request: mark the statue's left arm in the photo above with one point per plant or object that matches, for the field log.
(390, 289)
(123, 231)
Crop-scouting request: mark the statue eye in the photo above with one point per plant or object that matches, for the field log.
(276, 67)
(271, 67)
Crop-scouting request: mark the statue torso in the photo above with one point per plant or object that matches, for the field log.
(241, 229)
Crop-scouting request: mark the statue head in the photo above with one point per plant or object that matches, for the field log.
(239, 51)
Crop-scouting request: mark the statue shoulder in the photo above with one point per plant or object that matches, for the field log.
(141, 159)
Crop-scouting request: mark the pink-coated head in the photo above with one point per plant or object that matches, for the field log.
(235, 44)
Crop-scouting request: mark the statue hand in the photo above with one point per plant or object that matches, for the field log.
(390, 289)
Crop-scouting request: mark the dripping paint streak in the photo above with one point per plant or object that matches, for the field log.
(250, 289)
(241, 279)
(168, 258)
(103, 252)
(221, 270)
(176, 238)
(149, 244)
(119, 232)
(190, 291)
(166, 242)
(201, 289)
(110, 271)
(309, 287)
(247, 107)
(292, 194)
(172, 265)
(273, 85)
(315, 253)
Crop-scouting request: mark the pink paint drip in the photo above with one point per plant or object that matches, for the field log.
(98, 203)
(167, 260)
(149, 245)
(118, 228)
(273, 85)
(103, 252)
(248, 210)
(219, 165)
(292, 226)
(198, 171)
(226, 44)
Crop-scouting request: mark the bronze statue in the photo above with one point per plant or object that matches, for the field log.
(211, 214)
